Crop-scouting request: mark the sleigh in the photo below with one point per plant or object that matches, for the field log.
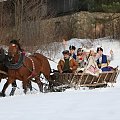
(68, 80)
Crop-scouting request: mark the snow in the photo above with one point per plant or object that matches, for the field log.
(83, 104)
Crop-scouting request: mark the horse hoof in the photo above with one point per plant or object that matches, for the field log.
(45, 88)
(12, 91)
(25, 91)
(2, 94)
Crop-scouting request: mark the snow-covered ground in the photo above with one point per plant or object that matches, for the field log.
(97, 104)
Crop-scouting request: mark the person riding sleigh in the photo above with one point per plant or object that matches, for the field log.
(67, 64)
(104, 60)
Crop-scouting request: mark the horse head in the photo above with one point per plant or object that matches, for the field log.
(13, 50)
(15, 57)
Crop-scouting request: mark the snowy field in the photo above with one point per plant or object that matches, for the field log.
(96, 104)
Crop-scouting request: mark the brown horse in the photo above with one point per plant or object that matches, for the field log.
(4, 71)
(31, 67)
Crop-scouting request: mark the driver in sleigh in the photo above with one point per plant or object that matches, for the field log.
(67, 64)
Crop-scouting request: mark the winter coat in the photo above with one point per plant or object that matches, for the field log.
(73, 56)
(72, 64)
(104, 61)
(92, 67)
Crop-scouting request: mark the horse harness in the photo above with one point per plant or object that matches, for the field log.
(33, 73)
(20, 63)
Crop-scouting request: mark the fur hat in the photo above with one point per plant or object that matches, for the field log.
(66, 52)
(72, 47)
(99, 49)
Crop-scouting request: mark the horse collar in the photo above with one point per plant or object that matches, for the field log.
(15, 65)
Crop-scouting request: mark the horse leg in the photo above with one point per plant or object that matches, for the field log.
(14, 85)
(51, 86)
(9, 81)
(40, 84)
(30, 85)
(46, 85)
(25, 84)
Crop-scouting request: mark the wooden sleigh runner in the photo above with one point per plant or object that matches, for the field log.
(77, 80)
